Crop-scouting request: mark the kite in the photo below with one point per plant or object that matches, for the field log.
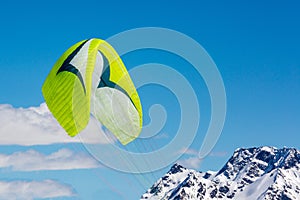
(90, 78)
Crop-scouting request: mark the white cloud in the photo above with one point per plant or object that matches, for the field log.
(63, 159)
(27, 190)
(193, 152)
(37, 126)
(188, 151)
(192, 162)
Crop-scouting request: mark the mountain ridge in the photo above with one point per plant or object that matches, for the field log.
(261, 173)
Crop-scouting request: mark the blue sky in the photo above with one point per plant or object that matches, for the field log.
(254, 44)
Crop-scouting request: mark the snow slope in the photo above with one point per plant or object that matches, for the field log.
(264, 173)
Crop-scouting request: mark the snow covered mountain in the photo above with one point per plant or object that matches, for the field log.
(264, 173)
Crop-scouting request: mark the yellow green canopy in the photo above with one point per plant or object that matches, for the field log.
(90, 77)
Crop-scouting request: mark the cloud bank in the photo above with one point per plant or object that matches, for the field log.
(28, 190)
(63, 159)
(37, 126)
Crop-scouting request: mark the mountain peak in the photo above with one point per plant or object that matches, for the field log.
(263, 159)
(251, 173)
(176, 168)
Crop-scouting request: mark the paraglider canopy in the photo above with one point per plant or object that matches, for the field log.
(90, 77)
